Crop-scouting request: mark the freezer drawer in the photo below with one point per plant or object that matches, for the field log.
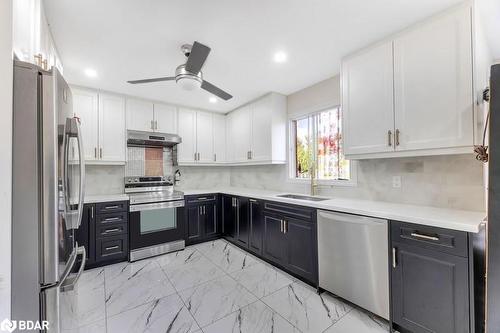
(353, 259)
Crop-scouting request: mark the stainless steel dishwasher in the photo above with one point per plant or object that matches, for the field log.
(354, 259)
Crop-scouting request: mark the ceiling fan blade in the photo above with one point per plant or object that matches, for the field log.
(197, 57)
(158, 79)
(214, 90)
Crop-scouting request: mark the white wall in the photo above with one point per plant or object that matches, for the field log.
(5, 153)
(319, 96)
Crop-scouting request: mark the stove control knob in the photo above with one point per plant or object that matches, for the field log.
(136, 180)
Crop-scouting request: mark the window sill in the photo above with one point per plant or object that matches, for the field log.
(324, 182)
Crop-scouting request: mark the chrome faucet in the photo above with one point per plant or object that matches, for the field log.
(177, 176)
(314, 182)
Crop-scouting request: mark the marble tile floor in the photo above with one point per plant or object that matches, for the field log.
(212, 287)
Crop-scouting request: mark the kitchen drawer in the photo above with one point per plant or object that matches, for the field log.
(438, 239)
(104, 219)
(195, 199)
(111, 207)
(111, 248)
(290, 210)
(111, 229)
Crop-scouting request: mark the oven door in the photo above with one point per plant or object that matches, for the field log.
(156, 223)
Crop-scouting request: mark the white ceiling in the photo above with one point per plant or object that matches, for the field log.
(133, 39)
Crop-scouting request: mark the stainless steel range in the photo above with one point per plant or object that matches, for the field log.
(156, 225)
(154, 209)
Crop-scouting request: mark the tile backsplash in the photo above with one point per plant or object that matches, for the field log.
(452, 181)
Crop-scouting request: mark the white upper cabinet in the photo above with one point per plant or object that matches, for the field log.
(367, 101)
(102, 120)
(186, 151)
(433, 84)
(85, 106)
(140, 115)
(219, 131)
(241, 132)
(165, 118)
(257, 131)
(32, 39)
(412, 95)
(111, 128)
(204, 137)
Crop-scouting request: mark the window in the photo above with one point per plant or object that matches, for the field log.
(316, 139)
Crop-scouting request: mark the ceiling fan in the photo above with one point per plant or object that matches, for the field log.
(189, 75)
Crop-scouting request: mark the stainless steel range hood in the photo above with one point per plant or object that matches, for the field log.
(152, 139)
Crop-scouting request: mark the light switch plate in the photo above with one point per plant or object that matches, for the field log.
(396, 181)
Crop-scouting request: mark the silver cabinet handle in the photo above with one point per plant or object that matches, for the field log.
(112, 247)
(112, 207)
(389, 138)
(202, 198)
(111, 230)
(251, 154)
(156, 124)
(199, 210)
(394, 263)
(281, 225)
(95, 152)
(92, 212)
(204, 210)
(100, 152)
(195, 156)
(113, 219)
(215, 157)
(285, 227)
(198, 156)
(397, 137)
(252, 200)
(417, 235)
(152, 125)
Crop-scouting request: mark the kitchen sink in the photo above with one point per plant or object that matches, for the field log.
(302, 197)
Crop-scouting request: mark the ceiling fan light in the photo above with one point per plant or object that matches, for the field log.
(189, 83)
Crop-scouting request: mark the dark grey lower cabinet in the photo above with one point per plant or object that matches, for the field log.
(202, 217)
(430, 290)
(104, 233)
(290, 239)
(256, 226)
(434, 287)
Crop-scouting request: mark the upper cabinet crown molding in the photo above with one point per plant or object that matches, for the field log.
(412, 94)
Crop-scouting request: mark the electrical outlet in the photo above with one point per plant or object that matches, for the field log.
(396, 181)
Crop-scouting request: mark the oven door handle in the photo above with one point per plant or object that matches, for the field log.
(157, 205)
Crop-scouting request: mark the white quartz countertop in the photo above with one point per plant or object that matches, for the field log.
(106, 198)
(462, 220)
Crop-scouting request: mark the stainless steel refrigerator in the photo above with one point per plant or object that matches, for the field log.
(48, 192)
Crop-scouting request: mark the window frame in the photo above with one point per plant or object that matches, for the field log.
(292, 162)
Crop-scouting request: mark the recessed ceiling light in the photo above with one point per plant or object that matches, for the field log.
(212, 99)
(90, 72)
(280, 57)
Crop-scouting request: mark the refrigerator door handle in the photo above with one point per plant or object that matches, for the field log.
(69, 284)
(82, 173)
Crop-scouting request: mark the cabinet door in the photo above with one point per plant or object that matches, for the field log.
(243, 226)
(229, 216)
(111, 128)
(256, 226)
(210, 220)
(165, 117)
(302, 259)
(430, 291)
(139, 115)
(187, 131)
(367, 101)
(85, 107)
(204, 137)
(274, 242)
(219, 133)
(433, 84)
(241, 132)
(85, 235)
(194, 223)
(230, 157)
(262, 129)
